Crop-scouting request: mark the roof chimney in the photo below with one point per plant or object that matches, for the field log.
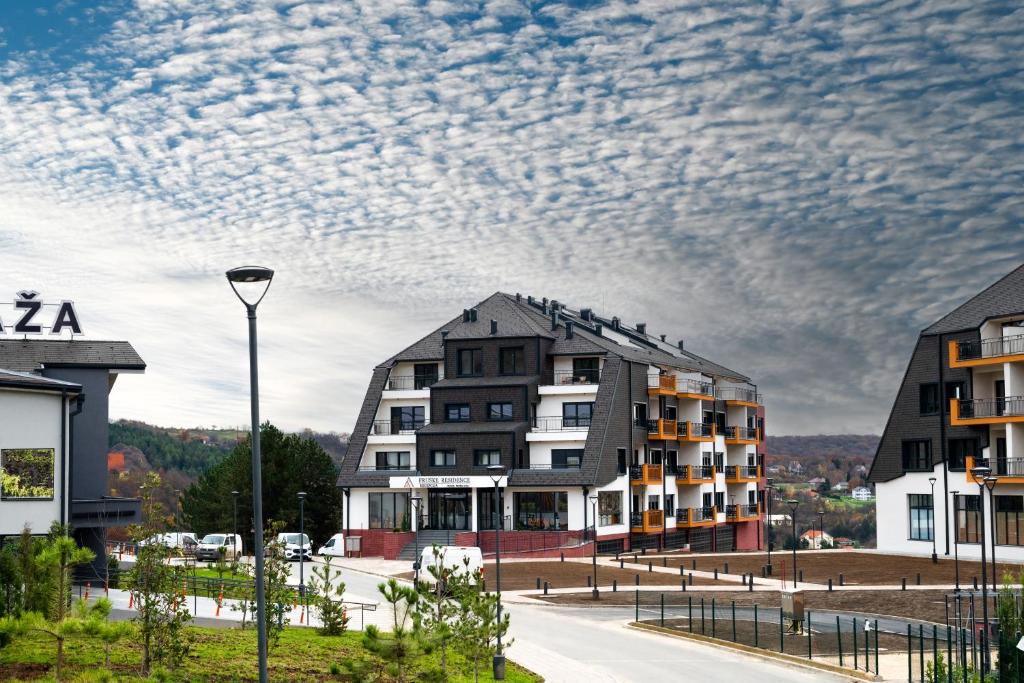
(554, 319)
(554, 304)
(680, 344)
(586, 314)
(568, 329)
(494, 326)
(641, 328)
(529, 299)
(662, 337)
(444, 334)
(615, 323)
(544, 304)
(519, 297)
(465, 315)
(597, 329)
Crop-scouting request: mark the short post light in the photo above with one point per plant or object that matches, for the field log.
(496, 472)
(416, 502)
(979, 473)
(821, 528)
(956, 539)
(769, 492)
(234, 524)
(593, 507)
(935, 555)
(990, 484)
(793, 505)
(302, 546)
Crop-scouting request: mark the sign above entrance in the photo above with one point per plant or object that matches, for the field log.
(29, 318)
(445, 482)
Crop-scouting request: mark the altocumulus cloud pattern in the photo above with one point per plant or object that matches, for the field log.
(796, 187)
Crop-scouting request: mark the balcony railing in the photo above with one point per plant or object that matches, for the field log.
(405, 382)
(980, 350)
(691, 474)
(646, 473)
(737, 435)
(735, 513)
(396, 427)
(567, 377)
(661, 383)
(1006, 470)
(551, 466)
(741, 473)
(695, 388)
(561, 424)
(986, 410)
(696, 431)
(661, 429)
(648, 520)
(739, 395)
(387, 468)
(695, 516)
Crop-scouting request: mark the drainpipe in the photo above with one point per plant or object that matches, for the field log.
(67, 492)
(942, 447)
(65, 408)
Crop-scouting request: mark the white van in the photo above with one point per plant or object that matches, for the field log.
(459, 559)
(334, 547)
(211, 546)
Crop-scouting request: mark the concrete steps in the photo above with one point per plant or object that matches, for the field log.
(425, 539)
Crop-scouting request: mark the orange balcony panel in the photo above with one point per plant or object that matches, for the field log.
(647, 522)
(661, 385)
(742, 474)
(742, 513)
(691, 518)
(661, 429)
(696, 431)
(963, 413)
(742, 436)
(695, 474)
(988, 352)
(646, 474)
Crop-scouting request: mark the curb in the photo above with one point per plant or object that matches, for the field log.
(792, 660)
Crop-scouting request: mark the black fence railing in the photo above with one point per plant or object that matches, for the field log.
(737, 511)
(703, 514)
(991, 407)
(693, 472)
(387, 468)
(417, 382)
(551, 466)
(568, 377)
(696, 429)
(396, 427)
(737, 432)
(741, 472)
(560, 424)
(1008, 467)
(991, 348)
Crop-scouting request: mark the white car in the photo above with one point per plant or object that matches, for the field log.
(212, 545)
(458, 559)
(294, 544)
(335, 546)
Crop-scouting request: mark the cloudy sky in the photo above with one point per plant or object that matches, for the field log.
(795, 188)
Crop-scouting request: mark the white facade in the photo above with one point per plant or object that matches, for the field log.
(31, 419)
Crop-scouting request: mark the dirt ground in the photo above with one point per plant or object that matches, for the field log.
(857, 568)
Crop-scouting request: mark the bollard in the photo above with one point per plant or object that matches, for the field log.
(562, 555)
(903, 584)
(638, 579)
(842, 580)
(634, 557)
(689, 579)
(650, 567)
(545, 588)
(764, 572)
(615, 585)
(726, 568)
(919, 578)
(483, 585)
(801, 576)
(681, 571)
(750, 586)
(663, 610)
(538, 583)
(694, 565)
(716, 573)
(588, 581)
(683, 584)
(975, 583)
(830, 585)
(620, 564)
(839, 640)
(743, 580)
(643, 551)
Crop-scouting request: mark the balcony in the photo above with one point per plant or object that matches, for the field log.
(661, 429)
(742, 513)
(742, 474)
(986, 411)
(691, 388)
(1005, 470)
(561, 424)
(696, 431)
(411, 382)
(573, 377)
(689, 518)
(647, 521)
(395, 427)
(646, 474)
(695, 474)
(739, 396)
(661, 385)
(741, 436)
(994, 351)
(406, 469)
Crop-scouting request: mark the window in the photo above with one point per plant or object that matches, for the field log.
(621, 460)
(921, 520)
(670, 503)
(671, 462)
(609, 507)
(499, 411)
(720, 501)
(917, 455)
(719, 461)
(653, 502)
(393, 460)
(542, 510)
(640, 415)
(456, 412)
(469, 362)
(27, 473)
(512, 361)
(485, 457)
(442, 458)
(928, 397)
(389, 511)
(968, 518)
(424, 375)
(720, 422)
(655, 456)
(959, 449)
(406, 418)
(669, 413)
(577, 414)
(566, 458)
(485, 508)
(586, 370)
(953, 390)
(1009, 520)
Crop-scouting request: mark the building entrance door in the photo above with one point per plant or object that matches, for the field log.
(449, 509)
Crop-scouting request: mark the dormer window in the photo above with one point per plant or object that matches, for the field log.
(469, 363)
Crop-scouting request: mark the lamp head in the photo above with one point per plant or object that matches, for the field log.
(302, 495)
(990, 482)
(495, 472)
(593, 499)
(932, 480)
(235, 493)
(416, 500)
(980, 472)
(954, 492)
(255, 281)
(793, 503)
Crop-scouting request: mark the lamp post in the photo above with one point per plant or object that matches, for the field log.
(793, 505)
(821, 528)
(956, 539)
(979, 474)
(416, 502)
(990, 484)
(496, 472)
(258, 277)
(769, 492)
(593, 507)
(302, 546)
(935, 556)
(234, 525)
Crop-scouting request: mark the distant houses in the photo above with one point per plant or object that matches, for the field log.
(815, 539)
(862, 493)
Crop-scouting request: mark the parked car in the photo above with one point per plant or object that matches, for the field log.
(183, 540)
(294, 544)
(212, 545)
(459, 559)
(335, 546)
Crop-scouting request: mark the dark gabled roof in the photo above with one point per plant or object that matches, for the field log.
(27, 355)
(1003, 297)
(512, 321)
(27, 380)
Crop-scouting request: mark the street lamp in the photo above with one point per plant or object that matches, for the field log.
(593, 507)
(793, 505)
(234, 525)
(935, 556)
(252, 279)
(302, 546)
(821, 528)
(990, 484)
(496, 472)
(979, 474)
(769, 492)
(416, 502)
(956, 539)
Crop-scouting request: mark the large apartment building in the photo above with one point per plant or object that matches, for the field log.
(586, 416)
(961, 404)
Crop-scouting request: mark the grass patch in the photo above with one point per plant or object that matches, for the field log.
(222, 655)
